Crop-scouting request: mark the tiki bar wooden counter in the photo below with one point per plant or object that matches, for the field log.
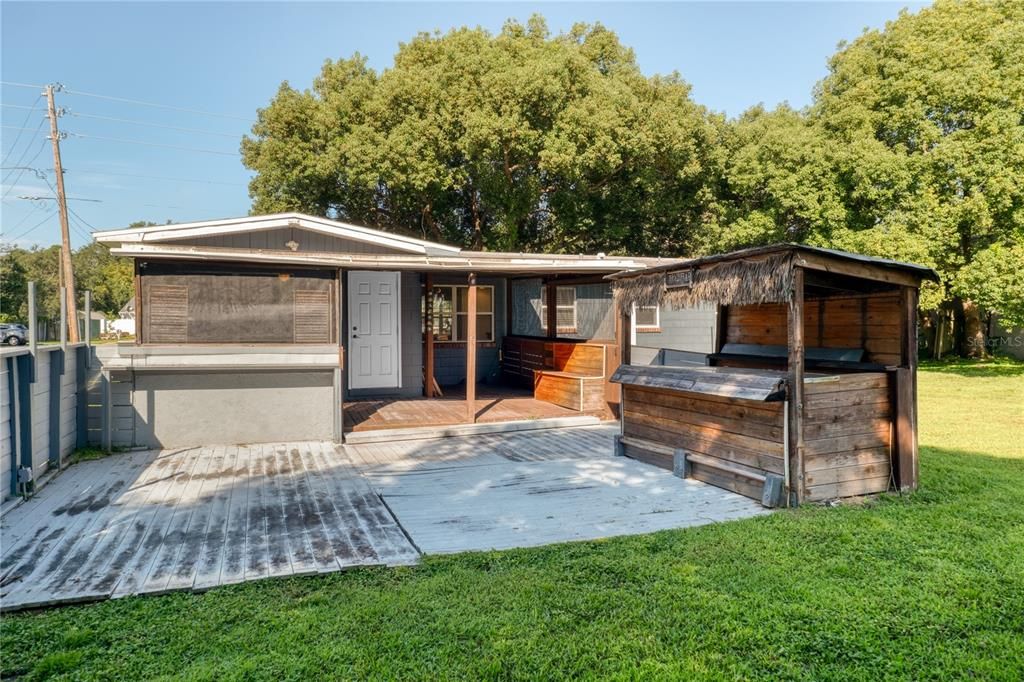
(811, 394)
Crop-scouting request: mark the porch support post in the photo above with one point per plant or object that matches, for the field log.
(796, 386)
(905, 427)
(551, 290)
(471, 349)
(428, 337)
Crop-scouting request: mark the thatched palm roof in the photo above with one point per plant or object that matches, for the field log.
(763, 279)
(747, 277)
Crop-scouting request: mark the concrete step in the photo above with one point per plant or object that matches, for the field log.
(433, 432)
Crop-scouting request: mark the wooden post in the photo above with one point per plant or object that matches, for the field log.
(626, 345)
(552, 318)
(88, 327)
(339, 372)
(64, 319)
(796, 385)
(721, 328)
(65, 236)
(428, 336)
(471, 349)
(33, 324)
(508, 307)
(140, 336)
(905, 432)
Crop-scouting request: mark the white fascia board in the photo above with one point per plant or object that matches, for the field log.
(159, 233)
(370, 261)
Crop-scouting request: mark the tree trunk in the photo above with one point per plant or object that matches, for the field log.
(969, 332)
(974, 328)
(478, 233)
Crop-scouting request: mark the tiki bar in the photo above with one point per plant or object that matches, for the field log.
(810, 393)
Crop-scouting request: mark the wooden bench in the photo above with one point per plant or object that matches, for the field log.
(576, 377)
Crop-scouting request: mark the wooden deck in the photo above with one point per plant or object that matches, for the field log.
(492, 405)
(193, 519)
(153, 522)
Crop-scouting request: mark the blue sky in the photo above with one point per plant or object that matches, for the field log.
(229, 58)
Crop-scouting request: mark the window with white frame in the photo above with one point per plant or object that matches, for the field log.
(647, 318)
(565, 312)
(450, 308)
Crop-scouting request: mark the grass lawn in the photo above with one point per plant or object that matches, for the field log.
(927, 586)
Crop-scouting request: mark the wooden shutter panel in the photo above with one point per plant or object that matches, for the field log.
(167, 313)
(312, 316)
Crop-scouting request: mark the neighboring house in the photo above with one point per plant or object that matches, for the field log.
(99, 324)
(269, 328)
(125, 322)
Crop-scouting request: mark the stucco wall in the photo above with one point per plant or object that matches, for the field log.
(176, 409)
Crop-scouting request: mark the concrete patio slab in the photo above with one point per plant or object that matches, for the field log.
(528, 489)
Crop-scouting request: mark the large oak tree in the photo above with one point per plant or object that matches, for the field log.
(520, 140)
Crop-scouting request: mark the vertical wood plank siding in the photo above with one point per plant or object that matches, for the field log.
(876, 327)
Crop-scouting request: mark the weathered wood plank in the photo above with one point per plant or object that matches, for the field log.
(234, 559)
(140, 554)
(848, 458)
(860, 441)
(864, 486)
(765, 413)
(211, 557)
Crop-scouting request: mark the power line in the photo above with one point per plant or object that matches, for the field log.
(159, 177)
(27, 117)
(22, 85)
(152, 144)
(41, 198)
(36, 171)
(22, 164)
(155, 104)
(18, 106)
(91, 227)
(81, 231)
(34, 227)
(28, 214)
(153, 125)
(16, 127)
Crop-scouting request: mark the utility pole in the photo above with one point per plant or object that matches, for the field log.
(68, 275)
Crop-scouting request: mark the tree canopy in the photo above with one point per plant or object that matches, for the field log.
(108, 277)
(512, 141)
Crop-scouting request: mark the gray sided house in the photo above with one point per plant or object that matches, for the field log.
(293, 327)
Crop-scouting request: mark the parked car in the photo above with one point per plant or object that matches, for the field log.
(13, 334)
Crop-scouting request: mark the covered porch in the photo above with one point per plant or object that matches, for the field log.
(427, 348)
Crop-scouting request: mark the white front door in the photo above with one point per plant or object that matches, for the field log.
(373, 337)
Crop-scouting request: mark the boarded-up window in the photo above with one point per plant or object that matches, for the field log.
(222, 303)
